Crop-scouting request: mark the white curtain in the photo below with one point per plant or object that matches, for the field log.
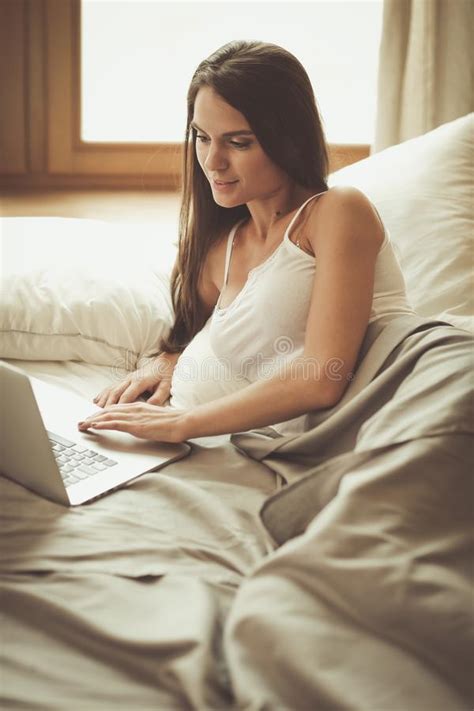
(425, 67)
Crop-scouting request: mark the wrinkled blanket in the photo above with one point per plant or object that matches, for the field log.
(368, 602)
(121, 603)
(351, 591)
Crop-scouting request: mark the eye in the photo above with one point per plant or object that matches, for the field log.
(203, 139)
(239, 145)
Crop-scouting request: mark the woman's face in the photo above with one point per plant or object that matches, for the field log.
(236, 159)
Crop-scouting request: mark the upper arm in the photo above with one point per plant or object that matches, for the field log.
(348, 237)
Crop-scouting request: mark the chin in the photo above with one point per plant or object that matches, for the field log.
(227, 202)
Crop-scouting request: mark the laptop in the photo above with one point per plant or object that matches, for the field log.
(42, 449)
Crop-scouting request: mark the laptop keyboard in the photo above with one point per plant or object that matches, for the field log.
(76, 462)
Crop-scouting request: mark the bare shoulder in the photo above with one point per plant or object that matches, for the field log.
(345, 210)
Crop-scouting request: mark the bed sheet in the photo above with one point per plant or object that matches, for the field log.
(168, 594)
(121, 603)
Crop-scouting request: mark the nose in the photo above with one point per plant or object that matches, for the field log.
(215, 159)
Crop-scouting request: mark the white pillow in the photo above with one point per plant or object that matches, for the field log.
(423, 189)
(97, 292)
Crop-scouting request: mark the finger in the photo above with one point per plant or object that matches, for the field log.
(110, 394)
(119, 425)
(133, 391)
(100, 396)
(112, 411)
(136, 408)
(83, 424)
(115, 395)
(93, 422)
(161, 393)
(109, 388)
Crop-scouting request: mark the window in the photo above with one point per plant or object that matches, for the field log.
(97, 88)
(137, 59)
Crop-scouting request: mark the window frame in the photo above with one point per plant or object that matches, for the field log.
(157, 164)
(42, 124)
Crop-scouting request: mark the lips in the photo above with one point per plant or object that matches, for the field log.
(222, 186)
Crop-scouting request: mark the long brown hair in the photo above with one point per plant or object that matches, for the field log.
(271, 88)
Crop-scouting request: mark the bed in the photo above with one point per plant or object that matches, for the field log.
(328, 570)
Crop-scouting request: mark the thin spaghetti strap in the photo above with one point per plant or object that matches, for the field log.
(296, 215)
(228, 254)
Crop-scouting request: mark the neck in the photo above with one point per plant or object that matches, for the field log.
(265, 214)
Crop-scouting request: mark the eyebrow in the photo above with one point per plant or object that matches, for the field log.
(243, 132)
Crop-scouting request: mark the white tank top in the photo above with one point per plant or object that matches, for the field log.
(264, 326)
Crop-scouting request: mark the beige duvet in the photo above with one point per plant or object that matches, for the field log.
(352, 591)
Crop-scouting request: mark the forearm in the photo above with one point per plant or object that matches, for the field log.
(172, 357)
(165, 363)
(264, 403)
(258, 405)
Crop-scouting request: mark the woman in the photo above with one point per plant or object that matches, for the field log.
(256, 217)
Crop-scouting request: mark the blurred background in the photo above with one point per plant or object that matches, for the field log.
(93, 92)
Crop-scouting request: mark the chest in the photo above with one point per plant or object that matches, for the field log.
(267, 317)
(247, 260)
